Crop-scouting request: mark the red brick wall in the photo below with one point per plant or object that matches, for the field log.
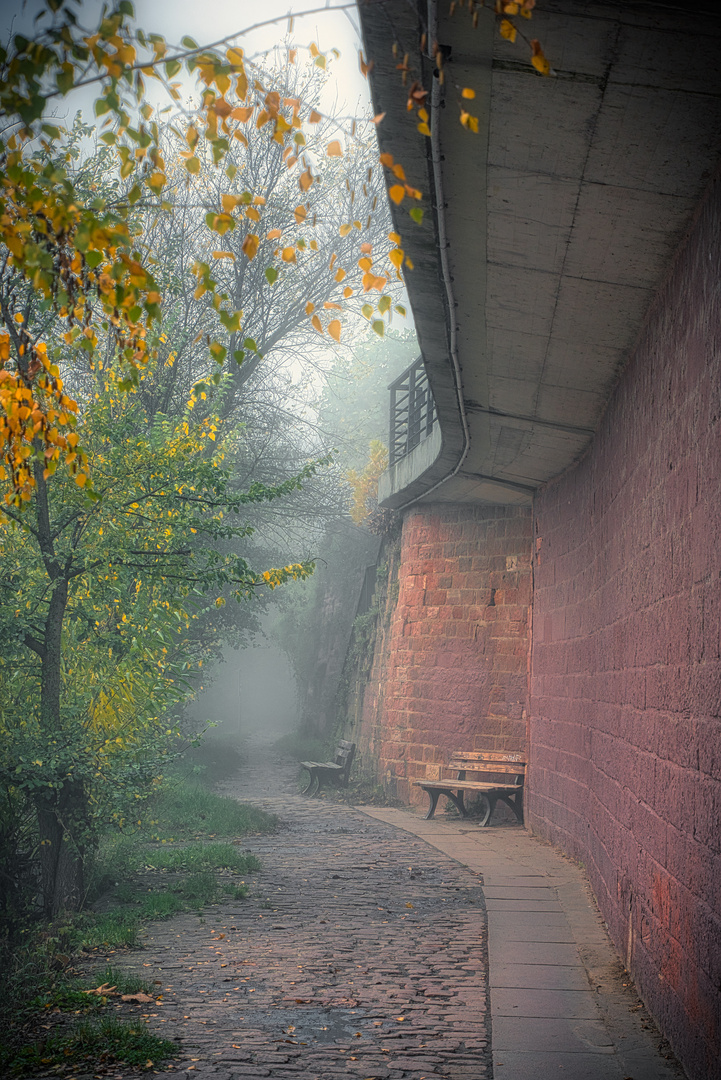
(626, 677)
(452, 667)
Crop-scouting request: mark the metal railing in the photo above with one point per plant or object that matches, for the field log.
(413, 411)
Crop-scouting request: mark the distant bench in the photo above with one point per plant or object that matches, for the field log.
(480, 765)
(337, 770)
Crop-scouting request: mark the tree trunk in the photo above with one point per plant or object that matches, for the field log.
(60, 810)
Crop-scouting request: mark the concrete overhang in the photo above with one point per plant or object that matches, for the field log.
(547, 234)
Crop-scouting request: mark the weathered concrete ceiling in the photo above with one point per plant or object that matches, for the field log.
(561, 218)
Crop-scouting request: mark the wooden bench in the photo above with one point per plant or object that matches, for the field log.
(337, 770)
(510, 765)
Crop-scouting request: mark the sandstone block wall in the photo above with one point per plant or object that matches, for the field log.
(626, 670)
(451, 671)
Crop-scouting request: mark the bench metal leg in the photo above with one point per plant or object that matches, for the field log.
(433, 796)
(312, 780)
(516, 804)
(488, 813)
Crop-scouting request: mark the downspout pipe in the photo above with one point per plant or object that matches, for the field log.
(432, 36)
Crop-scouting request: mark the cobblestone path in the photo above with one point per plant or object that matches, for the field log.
(360, 952)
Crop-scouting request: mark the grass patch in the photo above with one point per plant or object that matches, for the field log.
(166, 864)
(96, 1042)
(197, 857)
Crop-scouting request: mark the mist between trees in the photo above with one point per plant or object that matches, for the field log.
(191, 368)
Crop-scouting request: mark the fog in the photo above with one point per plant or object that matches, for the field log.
(253, 694)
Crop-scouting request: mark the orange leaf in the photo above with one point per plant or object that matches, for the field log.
(399, 172)
(333, 149)
(250, 244)
(316, 323)
(273, 234)
(387, 160)
(397, 193)
(347, 292)
(396, 257)
(315, 117)
(339, 275)
(334, 329)
(366, 248)
(288, 254)
(301, 213)
(242, 114)
(309, 308)
(466, 92)
(305, 180)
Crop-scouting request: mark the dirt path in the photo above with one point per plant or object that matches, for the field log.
(360, 952)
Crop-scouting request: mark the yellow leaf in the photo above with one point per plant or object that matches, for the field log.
(339, 274)
(316, 323)
(224, 255)
(510, 8)
(538, 59)
(399, 172)
(507, 30)
(333, 149)
(229, 202)
(424, 129)
(394, 237)
(288, 254)
(397, 193)
(301, 213)
(81, 479)
(334, 329)
(347, 292)
(396, 257)
(309, 308)
(469, 122)
(345, 229)
(466, 92)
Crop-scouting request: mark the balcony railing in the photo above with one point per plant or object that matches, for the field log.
(413, 411)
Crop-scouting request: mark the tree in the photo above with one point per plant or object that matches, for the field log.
(98, 601)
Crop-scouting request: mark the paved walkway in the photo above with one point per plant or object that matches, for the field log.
(363, 951)
(561, 1005)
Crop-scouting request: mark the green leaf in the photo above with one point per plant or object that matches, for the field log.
(417, 214)
(379, 327)
(188, 43)
(94, 258)
(101, 106)
(239, 356)
(172, 67)
(271, 274)
(250, 344)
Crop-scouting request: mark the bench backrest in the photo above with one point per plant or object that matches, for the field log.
(507, 762)
(344, 754)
